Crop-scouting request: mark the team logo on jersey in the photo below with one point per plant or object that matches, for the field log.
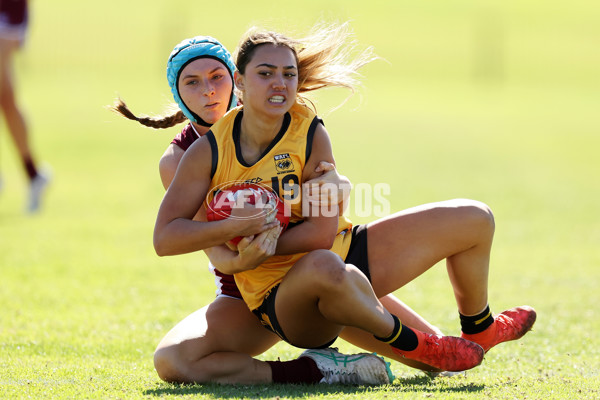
(258, 179)
(283, 163)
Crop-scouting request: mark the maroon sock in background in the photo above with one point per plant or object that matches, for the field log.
(30, 168)
(302, 370)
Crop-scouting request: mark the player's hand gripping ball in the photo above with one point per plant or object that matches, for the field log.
(261, 197)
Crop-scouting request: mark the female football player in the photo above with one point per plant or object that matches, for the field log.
(305, 293)
(13, 28)
(216, 342)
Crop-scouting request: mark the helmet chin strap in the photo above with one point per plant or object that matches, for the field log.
(196, 131)
(200, 121)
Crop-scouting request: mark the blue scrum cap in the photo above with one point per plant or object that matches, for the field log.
(188, 51)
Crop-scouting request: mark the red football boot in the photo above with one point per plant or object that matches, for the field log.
(509, 325)
(447, 353)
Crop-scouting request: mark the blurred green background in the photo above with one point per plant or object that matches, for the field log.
(492, 100)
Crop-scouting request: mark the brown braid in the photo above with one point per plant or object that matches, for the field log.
(157, 123)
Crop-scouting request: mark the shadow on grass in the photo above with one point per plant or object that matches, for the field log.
(402, 385)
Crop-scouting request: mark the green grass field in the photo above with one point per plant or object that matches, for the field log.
(496, 101)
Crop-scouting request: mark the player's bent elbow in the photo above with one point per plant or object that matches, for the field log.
(159, 247)
(159, 252)
(326, 243)
(324, 240)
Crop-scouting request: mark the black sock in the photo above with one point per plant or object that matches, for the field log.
(302, 370)
(476, 323)
(402, 337)
(30, 168)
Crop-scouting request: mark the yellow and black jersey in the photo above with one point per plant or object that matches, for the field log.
(280, 167)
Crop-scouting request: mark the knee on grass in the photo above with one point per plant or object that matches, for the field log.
(172, 366)
(166, 365)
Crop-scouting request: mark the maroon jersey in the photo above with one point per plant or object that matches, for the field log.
(185, 138)
(225, 283)
(13, 12)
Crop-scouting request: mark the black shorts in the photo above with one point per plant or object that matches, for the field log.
(267, 316)
(357, 256)
(357, 253)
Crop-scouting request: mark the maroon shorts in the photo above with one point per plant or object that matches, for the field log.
(13, 19)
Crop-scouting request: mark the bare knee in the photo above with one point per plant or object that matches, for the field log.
(325, 270)
(167, 365)
(477, 214)
(482, 216)
(173, 365)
